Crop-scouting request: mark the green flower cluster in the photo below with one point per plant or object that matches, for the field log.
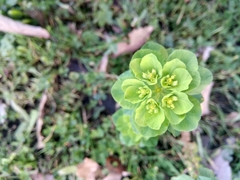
(161, 91)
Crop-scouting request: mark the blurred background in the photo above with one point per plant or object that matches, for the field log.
(55, 102)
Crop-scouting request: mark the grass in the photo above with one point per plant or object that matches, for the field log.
(31, 66)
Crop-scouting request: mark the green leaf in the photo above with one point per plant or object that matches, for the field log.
(131, 95)
(135, 68)
(131, 82)
(170, 66)
(204, 172)
(170, 50)
(148, 132)
(11, 2)
(190, 122)
(118, 93)
(172, 117)
(174, 132)
(130, 113)
(157, 47)
(149, 142)
(150, 62)
(142, 52)
(196, 79)
(199, 97)
(203, 178)
(19, 110)
(33, 118)
(140, 114)
(187, 57)
(183, 104)
(67, 170)
(183, 77)
(128, 140)
(182, 177)
(19, 132)
(122, 123)
(206, 78)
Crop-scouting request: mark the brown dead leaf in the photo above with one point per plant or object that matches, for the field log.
(3, 112)
(137, 38)
(185, 137)
(233, 117)
(113, 164)
(40, 176)
(222, 167)
(38, 15)
(115, 168)
(206, 53)
(88, 169)
(189, 154)
(103, 64)
(206, 95)
(73, 28)
(113, 176)
(11, 26)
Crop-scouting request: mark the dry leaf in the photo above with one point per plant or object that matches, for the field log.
(233, 117)
(222, 168)
(88, 169)
(206, 53)
(3, 112)
(11, 26)
(137, 38)
(185, 137)
(73, 28)
(103, 64)
(206, 95)
(113, 176)
(39, 123)
(40, 176)
(189, 154)
(115, 168)
(38, 15)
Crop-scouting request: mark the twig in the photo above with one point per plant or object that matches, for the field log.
(11, 26)
(39, 123)
(84, 116)
(103, 64)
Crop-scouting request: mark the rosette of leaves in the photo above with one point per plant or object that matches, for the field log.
(160, 92)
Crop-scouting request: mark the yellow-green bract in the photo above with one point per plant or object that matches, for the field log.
(159, 92)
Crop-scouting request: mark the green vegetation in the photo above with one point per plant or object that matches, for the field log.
(76, 117)
(158, 93)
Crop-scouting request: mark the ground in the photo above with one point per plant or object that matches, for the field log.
(57, 98)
